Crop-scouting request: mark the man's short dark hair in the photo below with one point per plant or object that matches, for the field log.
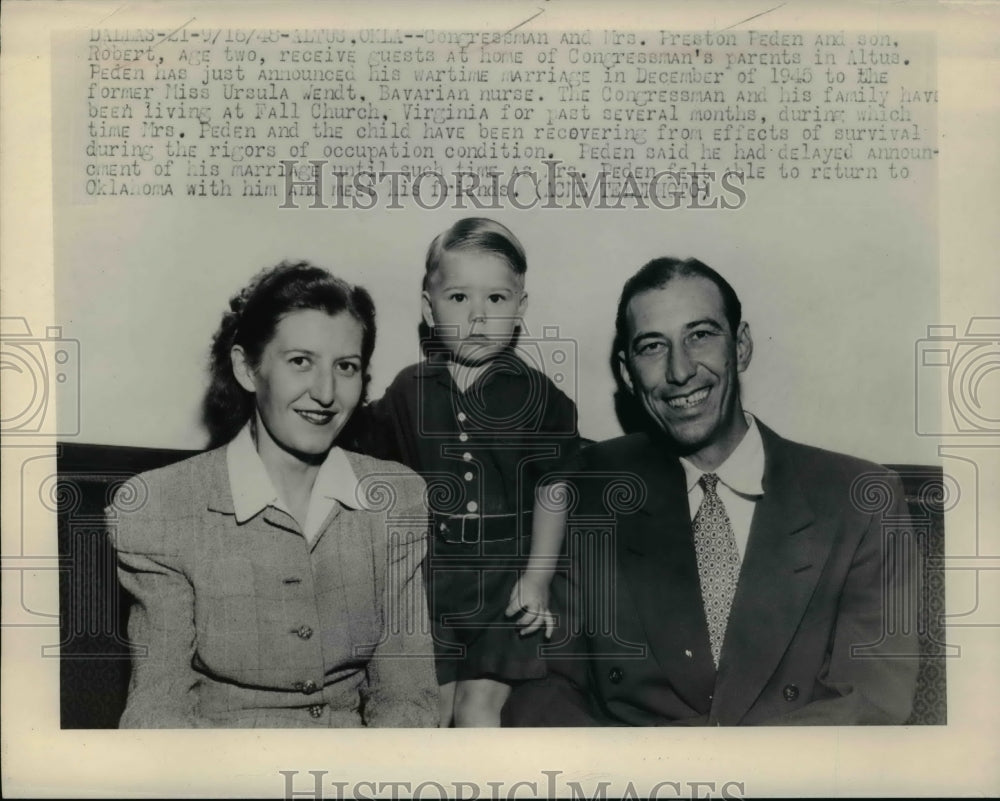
(659, 272)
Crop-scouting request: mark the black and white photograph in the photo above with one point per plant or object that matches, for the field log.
(618, 382)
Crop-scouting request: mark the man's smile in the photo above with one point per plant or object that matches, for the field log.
(690, 400)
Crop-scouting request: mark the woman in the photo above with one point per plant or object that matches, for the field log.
(277, 578)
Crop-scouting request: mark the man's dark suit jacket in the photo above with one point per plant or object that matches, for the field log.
(822, 628)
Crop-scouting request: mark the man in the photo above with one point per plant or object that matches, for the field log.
(743, 578)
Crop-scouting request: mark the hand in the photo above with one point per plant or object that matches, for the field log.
(530, 599)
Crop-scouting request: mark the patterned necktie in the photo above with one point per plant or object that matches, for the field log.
(718, 561)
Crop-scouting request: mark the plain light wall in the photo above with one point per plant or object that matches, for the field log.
(837, 284)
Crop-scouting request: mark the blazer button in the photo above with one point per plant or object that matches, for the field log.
(316, 710)
(304, 632)
(309, 687)
(615, 675)
(790, 691)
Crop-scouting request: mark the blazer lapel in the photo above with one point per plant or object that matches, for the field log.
(219, 494)
(215, 483)
(785, 556)
(660, 572)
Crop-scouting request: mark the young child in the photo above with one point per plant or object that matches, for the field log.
(482, 427)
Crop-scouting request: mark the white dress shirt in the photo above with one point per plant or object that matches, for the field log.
(740, 483)
(253, 491)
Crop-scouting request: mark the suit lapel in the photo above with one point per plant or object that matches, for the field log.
(215, 483)
(785, 556)
(656, 552)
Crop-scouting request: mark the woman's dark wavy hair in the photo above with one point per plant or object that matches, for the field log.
(253, 316)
